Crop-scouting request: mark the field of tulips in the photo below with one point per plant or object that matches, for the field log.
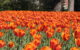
(39, 30)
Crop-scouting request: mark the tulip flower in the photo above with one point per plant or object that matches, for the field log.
(66, 30)
(36, 42)
(31, 25)
(1, 34)
(37, 36)
(49, 34)
(65, 36)
(2, 43)
(1, 27)
(74, 48)
(39, 27)
(45, 48)
(11, 44)
(58, 47)
(77, 41)
(40, 21)
(76, 34)
(59, 29)
(19, 32)
(29, 46)
(12, 25)
(54, 43)
(33, 32)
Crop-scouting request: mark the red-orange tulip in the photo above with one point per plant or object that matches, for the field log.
(37, 36)
(31, 25)
(48, 29)
(40, 27)
(2, 43)
(33, 32)
(19, 32)
(66, 30)
(77, 41)
(11, 44)
(54, 43)
(65, 36)
(53, 25)
(58, 47)
(59, 29)
(12, 25)
(1, 27)
(49, 34)
(36, 42)
(76, 34)
(1, 34)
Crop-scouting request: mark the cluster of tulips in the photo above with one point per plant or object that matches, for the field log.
(39, 21)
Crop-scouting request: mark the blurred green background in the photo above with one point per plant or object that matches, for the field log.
(36, 5)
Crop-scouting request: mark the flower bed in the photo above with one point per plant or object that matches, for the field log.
(39, 30)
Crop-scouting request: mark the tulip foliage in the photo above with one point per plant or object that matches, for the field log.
(39, 30)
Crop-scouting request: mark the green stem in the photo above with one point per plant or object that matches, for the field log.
(19, 44)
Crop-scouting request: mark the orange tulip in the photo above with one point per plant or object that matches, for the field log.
(59, 29)
(23, 25)
(11, 44)
(2, 43)
(65, 36)
(73, 26)
(40, 27)
(19, 32)
(45, 48)
(29, 46)
(74, 48)
(58, 47)
(12, 25)
(36, 42)
(31, 25)
(49, 34)
(66, 30)
(37, 36)
(77, 41)
(1, 34)
(33, 32)
(53, 25)
(54, 43)
(45, 24)
(48, 29)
